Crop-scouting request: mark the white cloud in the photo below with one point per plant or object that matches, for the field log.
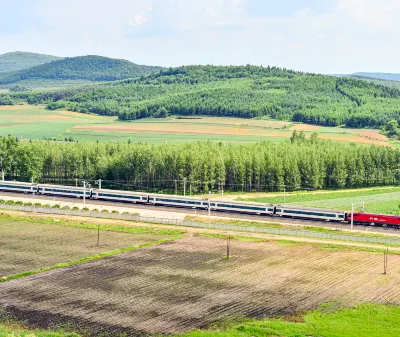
(384, 14)
(357, 35)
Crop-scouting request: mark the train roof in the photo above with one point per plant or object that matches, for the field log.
(119, 192)
(241, 202)
(375, 215)
(177, 197)
(61, 186)
(310, 209)
(17, 183)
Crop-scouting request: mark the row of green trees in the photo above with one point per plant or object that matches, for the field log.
(294, 164)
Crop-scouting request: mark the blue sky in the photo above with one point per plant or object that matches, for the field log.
(325, 36)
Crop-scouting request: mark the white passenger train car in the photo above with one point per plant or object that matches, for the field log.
(14, 186)
(310, 213)
(67, 191)
(120, 196)
(175, 200)
(243, 207)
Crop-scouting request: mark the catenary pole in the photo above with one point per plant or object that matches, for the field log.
(352, 216)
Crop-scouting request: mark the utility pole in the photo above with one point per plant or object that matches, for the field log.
(33, 200)
(284, 193)
(98, 236)
(176, 187)
(76, 182)
(84, 192)
(184, 186)
(98, 182)
(228, 246)
(363, 207)
(385, 260)
(85, 184)
(209, 210)
(352, 217)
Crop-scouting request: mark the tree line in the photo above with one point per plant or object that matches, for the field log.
(298, 163)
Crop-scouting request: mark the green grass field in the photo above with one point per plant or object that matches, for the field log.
(365, 320)
(35, 122)
(376, 200)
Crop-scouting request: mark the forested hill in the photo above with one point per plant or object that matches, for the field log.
(91, 68)
(380, 76)
(244, 91)
(23, 60)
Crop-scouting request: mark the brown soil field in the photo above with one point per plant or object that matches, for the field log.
(305, 127)
(209, 129)
(374, 134)
(177, 128)
(27, 246)
(275, 124)
(15, 107)
(188, 284)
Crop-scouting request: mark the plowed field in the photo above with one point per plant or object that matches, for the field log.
(28, 246)
(188, 284)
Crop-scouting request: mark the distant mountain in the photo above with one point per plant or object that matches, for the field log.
(22, 60)
(88, 68)
(381, 76)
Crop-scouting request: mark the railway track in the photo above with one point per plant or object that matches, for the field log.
(227, 215)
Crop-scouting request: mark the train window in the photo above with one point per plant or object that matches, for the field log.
(119, 196)
(188, 202)
(329, 215)
(15, 186)
(241, 207)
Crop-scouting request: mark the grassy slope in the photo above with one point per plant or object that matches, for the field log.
(89, 68)
(384, 200)
(365, 320)
(23, 60)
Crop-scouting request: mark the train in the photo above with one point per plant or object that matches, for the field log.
(253, 208)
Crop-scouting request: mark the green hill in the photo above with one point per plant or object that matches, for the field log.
(241, 91)
(22, 60)
(89, 68)
(380, 76)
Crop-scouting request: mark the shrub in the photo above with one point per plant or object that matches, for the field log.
(20, 203)
(46, 206)
(28, 204)
(10, 202)
(105, 211)
(115, 212)
(66, 208)
(75, 208)
(56, 206)
(2, 201)
(126, 213)
(85, 209)
(38, 204)
(95, 210)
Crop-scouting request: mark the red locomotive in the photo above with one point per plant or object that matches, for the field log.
(374, 219)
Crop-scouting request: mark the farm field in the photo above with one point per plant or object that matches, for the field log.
(327, 321)
(32, 122)
(28, 245)
(376, 200)
(188, 283)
